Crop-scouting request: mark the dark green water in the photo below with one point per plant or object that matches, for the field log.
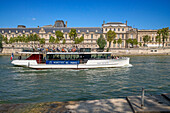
(23, 85)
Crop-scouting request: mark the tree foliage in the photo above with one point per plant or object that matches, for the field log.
(52, 39)
(1, 39)
(59, 35)
(64, 41)
(42, 40)
(78, 40)
(110, 36)
(72, 34)
(164, 33)
(146, 38)
(119, 41)
(101, 42)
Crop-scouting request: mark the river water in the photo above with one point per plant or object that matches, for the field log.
(23, 85)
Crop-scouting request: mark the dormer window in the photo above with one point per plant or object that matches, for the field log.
(30, 31)
(16, 31)
(2, 31)
(23, 31)
(9, 31)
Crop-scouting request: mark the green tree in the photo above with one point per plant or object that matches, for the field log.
(52, 39)
(146, 38)
(59, 35)
(110, 37)
(135, 42)
(119, 41)
(11, 40)
(158, 37)
(64, 41)
(164, 32)
(78, 40)
(101, 42)
(73, 34)
(42, 40)
(1, 39)
(140, 44)
(57, 41)
(129, 41)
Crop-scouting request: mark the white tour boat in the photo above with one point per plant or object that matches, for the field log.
(71, 60)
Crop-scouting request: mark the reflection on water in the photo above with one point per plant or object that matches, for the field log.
(22, 85)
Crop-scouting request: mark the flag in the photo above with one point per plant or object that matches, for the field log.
(12, 56)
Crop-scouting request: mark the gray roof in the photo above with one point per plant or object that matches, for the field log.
(114, 23)
(50, 29)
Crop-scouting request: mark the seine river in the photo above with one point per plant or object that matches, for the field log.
(23, 85)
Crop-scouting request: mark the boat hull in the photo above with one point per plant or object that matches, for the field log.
(91, 64)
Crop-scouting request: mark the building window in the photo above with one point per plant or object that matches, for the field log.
(114, 29)
(118, 36)
(42, 36)
(141, 39)
(30, 31)
(2, 31)
(114, 45)
(96, 30)
(19, 34)
(122, 44)
(65, 36)
(110, 29)
(118, 29)
(122, 36)
(91, 36)
(12, 35)
(9, 31)
(62, 31)
(49, 35)
(106, 29)
(83, 35)
(152, 38)
(53, 31)
(23, 31)
(87, 30)
(91, 41)
(122, 29)
(78, 30)
(131, 36)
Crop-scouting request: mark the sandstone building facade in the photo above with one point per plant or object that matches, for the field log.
(90, 34)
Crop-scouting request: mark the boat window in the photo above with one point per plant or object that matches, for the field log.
(94, 56)
(62, 57)
(99, 56)
(67, 57)
(49, 57)
(56, 57)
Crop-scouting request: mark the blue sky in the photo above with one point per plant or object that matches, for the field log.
(141, 14)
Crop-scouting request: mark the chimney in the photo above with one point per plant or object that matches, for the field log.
(66, 24)
(103, 22)
(126, 22)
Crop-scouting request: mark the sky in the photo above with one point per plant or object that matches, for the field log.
(141, 14)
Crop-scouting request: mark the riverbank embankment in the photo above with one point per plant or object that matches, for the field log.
(121, 52)
(130, 104)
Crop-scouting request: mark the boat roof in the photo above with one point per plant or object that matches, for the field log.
(76, 53)
(30, 52)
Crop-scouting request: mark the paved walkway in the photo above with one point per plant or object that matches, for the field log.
(154, 104)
